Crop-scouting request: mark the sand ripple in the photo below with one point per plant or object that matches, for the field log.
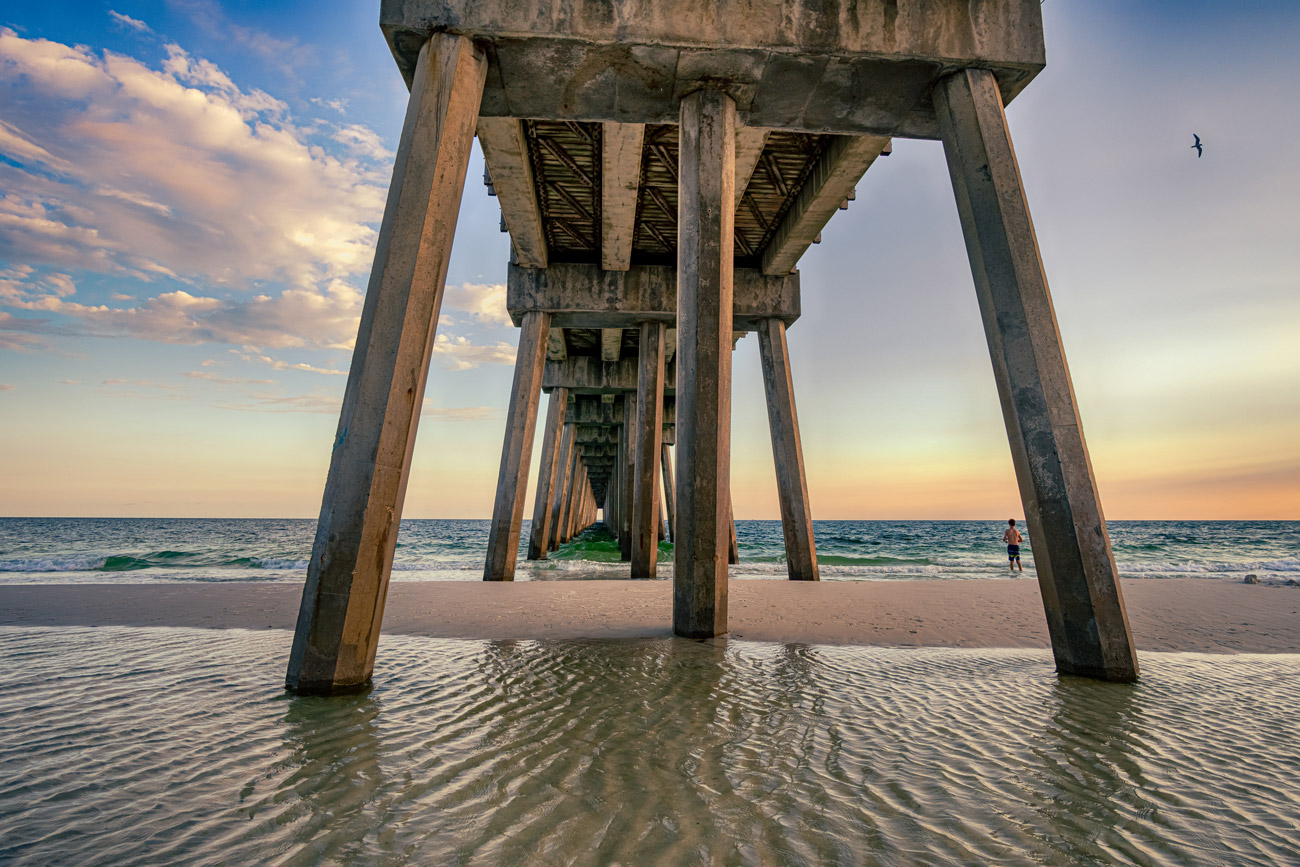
(126, 746)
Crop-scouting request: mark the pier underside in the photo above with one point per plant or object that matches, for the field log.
(661, 167)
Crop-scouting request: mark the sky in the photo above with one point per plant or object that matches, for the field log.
(189, 198)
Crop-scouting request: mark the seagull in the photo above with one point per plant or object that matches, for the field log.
(1197, 145)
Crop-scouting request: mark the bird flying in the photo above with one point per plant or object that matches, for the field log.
(1197, 145)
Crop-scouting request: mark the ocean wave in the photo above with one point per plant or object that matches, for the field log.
(1290, 564)
(81, 563)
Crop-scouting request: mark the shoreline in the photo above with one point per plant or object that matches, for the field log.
(1168, 615)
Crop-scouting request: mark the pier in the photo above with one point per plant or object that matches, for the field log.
(661, 167)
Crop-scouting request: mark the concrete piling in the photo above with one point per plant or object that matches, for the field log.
(585, 184)
(705, 218)
(1076, 568)
(787, 452)
(517, 451)
(546, 479)
(347, 578)
(649, 427)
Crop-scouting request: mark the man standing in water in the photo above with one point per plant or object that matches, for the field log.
(1013, 539)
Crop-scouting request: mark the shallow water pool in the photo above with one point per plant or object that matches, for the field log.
(177, 746)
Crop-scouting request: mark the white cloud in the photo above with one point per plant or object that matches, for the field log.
(486, 302)
(4, 387)
(339, 105)
(226, 380)
(296, 318)
(131, 23)
(364, 141)
(460, 353)
(456, 413)
(123, 168)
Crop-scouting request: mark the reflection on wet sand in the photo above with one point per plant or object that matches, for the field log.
(656, 751)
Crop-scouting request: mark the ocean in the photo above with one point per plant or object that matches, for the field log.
(144, 550)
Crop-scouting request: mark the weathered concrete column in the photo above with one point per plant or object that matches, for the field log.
(613, 520)
(1072, 553)
(571, 495)
(517, 450)
(347, 578)
(733, 546)
(546, 474)
(561, 487)
(650, 431)
(705, 233)
(626, 469)
(575, 521)
(787, 452)
(666, 459)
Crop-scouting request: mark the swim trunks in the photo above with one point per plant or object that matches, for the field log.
(1013, 551)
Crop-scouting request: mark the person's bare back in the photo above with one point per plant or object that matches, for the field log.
(1013, 539)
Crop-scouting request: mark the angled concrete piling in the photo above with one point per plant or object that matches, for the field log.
(1072, 552)
(347, 577)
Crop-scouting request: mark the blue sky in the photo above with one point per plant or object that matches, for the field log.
(189, 193)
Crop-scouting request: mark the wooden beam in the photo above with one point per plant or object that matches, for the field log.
(505, 150)
(611, 343)
(620, 159)
(840, 167)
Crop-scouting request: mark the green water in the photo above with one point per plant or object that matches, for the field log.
(174, 746)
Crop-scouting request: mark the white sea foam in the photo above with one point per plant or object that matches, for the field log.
(80, 563)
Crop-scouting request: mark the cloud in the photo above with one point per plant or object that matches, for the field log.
(252, 356)
(117, 167)
(364, 141)
(130, 23)
(486, 302)
(4, 387)
(459, 353)
(295, 318)
(289, 55)
(456, 413)
(339, 105)
(224, 380)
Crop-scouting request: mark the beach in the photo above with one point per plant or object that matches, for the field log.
(1173, 615)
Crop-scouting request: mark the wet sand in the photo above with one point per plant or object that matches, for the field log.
(1190, 614)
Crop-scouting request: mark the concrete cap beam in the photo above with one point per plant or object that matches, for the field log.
(786, 64)
(585, 296)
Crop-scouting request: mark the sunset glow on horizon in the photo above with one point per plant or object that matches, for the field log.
(189, 201)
